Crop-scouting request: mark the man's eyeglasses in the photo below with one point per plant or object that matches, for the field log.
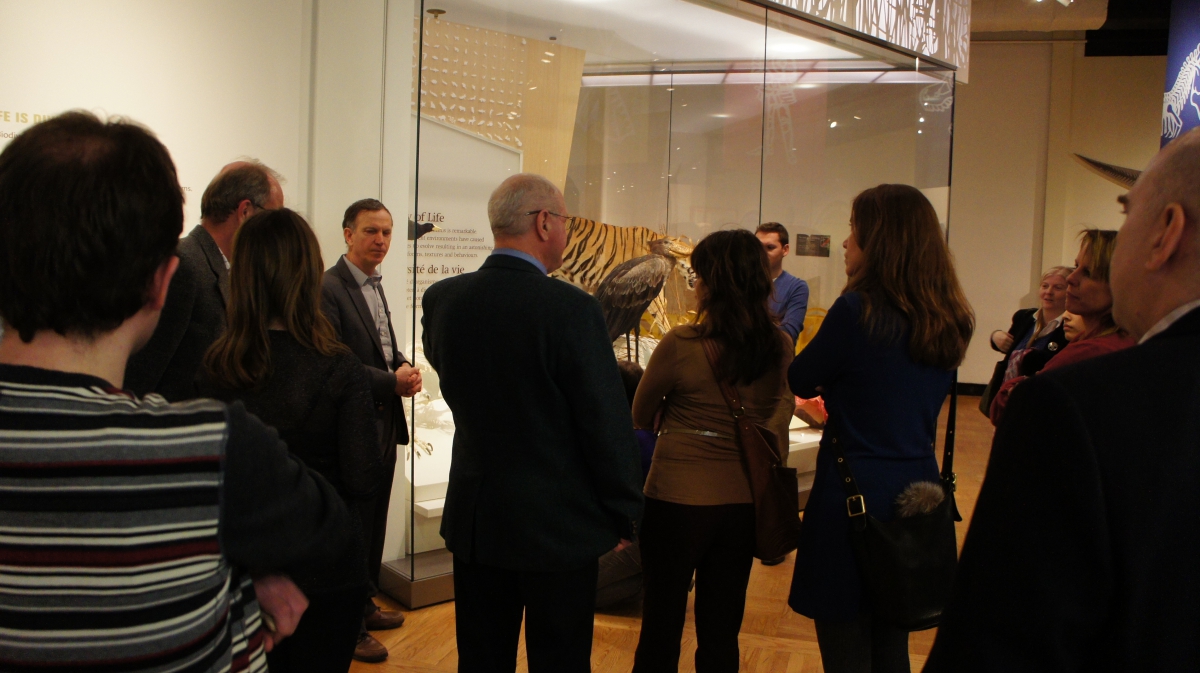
(567, 218)
(551, 212)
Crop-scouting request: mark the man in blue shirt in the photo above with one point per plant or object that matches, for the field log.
(790, 299)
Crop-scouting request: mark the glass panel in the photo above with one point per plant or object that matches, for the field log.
(835, 129)
(656, 118)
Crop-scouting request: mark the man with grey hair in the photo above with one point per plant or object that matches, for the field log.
(1082, 550)
(194, 315)
(546, 472)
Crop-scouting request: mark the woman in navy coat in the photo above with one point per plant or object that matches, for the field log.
(882, 360)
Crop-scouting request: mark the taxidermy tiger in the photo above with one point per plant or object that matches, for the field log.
(594, 249)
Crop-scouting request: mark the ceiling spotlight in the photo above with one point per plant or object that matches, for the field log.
(437, 13)
(922, 120)
(857, 117)
(545, 60)
(548, 53)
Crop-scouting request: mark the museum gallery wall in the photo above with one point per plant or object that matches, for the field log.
(660, 119)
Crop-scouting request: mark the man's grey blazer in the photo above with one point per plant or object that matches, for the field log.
(343, 304)
(192, 319)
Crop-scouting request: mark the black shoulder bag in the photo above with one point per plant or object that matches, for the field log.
(907, 564)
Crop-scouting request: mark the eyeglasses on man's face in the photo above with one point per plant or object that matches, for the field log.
(548, 212)
(567, 218)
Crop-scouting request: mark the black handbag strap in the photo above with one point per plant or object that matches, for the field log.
(856, 507)
(728, 391)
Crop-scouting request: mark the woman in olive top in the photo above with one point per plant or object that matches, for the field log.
(281, 358)
(699, 515)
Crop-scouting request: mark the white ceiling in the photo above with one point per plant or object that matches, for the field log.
(640, 31)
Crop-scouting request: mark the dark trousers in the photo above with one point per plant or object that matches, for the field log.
(557, 607)
(862, 645)
(716, 543)
(325, 638)
(372, 517)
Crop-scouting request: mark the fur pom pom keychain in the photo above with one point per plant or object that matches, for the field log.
(921, 497)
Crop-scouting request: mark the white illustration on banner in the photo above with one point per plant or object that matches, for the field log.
(1181, 95)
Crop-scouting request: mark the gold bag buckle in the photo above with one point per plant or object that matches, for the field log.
(855, 502)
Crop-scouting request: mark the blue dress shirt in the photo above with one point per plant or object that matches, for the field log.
(789, 301)
(519, 254)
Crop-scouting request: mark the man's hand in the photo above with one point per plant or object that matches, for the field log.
(408, 380)
(623, 544)
(282, 604)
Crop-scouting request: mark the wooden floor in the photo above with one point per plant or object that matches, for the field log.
(773, 639)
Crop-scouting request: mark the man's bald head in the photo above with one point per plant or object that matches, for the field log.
(515, 197)
(1173, 175)
(241, 181)
(1156, 266)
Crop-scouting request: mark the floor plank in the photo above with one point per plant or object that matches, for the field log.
(773, 639)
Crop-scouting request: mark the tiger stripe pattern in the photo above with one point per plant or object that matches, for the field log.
(594, 249)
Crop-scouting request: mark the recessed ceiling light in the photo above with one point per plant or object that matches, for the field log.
(922, 120)
(806, 86)
(548, 53)
(857, 117)
(833, 125)
(721, 116)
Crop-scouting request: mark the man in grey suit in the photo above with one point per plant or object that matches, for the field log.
(352, 299)
(546, 473)
(194, 315)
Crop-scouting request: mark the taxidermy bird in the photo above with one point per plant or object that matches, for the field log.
(418, 229)
(628, 290)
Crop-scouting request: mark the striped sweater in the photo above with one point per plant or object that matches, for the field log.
(111, 545)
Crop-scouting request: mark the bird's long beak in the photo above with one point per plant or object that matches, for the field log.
(436, 228)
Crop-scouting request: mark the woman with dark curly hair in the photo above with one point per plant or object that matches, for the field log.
(882, 361)
(699, 516)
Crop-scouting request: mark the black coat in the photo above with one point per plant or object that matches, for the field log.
(546, 473)
(1022, 322)
(192, 319)
(343, 304)
(1083, 548)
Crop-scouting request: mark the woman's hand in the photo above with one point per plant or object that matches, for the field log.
(1003, 341)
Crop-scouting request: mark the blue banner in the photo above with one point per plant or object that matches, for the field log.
(1181, 102)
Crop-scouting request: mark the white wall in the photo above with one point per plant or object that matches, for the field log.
(1018, 198)
(299, 84)
(214, 79)
(998, 185)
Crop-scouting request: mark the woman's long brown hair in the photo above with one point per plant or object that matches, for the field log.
(906, 278)
(275, 275)
(733, 311)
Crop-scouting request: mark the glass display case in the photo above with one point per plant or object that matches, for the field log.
(656, 118)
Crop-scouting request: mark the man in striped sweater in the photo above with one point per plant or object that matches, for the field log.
(133, 533)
